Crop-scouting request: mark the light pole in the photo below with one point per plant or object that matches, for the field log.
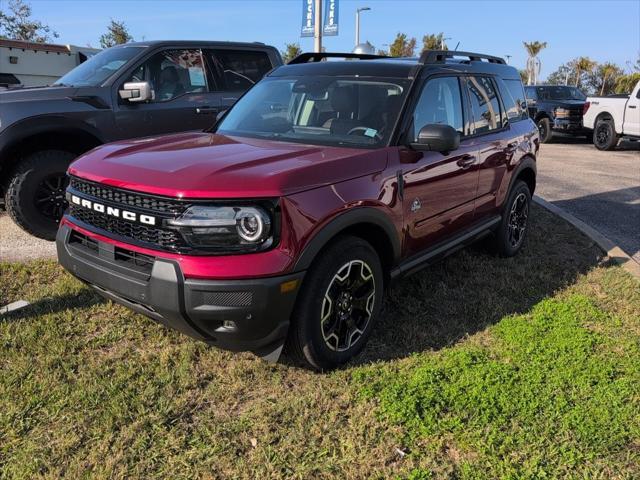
(358, 10)
(508, 57)
(317, 27)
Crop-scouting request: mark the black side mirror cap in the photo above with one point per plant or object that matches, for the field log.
(437, 138)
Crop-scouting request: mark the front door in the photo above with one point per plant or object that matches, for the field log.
(183, 99)
(439, 189)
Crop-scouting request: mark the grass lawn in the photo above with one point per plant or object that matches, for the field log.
(479, 368)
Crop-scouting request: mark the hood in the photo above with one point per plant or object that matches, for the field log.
(570, 104)
(36, 94)
(206, 165)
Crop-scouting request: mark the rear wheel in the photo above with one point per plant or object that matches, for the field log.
(35, 197)
(604, 135)
(337, 307)
(544, 128)
(512, 230)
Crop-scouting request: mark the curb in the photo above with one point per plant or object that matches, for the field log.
(613, 251)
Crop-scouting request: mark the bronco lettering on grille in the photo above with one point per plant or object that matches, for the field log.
(114, 212)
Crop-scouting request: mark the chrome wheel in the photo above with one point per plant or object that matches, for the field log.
(347, 305)
(518, 220)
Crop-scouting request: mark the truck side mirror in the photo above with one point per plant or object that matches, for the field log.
(437, 138)
(136, 92)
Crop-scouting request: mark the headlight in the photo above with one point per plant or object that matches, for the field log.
(228, 228)
(562, 112)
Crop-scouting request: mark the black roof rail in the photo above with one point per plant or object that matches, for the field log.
(440, 56)
(319, 56)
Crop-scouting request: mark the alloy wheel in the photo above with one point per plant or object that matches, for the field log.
(348, 305)
(518, 220)
(50, 196)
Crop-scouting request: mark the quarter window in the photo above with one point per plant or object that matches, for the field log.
(485, 105)
(440, 103)
(514, 100)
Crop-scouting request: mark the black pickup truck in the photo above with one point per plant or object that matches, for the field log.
(132, 90)
(556, 108)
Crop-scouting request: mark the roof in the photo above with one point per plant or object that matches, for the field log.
(308, 64)
(43, 47)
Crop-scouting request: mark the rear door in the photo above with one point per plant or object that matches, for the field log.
(439, 189)
(632, 115)
(184, 96)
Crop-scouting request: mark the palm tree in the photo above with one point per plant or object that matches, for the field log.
(583, 64)
(608, 69)
(533, 63)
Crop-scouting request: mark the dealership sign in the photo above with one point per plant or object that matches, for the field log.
(330, 17)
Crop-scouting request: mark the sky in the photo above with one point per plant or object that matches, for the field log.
(604, 30)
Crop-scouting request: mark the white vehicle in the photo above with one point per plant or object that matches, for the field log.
(612, 118)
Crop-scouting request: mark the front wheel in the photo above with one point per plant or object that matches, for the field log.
(337, 307)
(544, 128)
(512, 230)
(604, 135)
(35, 197)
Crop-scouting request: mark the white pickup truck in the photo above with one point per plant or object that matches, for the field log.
(612, 118)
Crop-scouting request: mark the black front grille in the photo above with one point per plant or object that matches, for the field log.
(125, 197)
(155, 236)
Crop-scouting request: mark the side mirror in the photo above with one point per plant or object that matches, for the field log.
(437, 138)
(136, 92)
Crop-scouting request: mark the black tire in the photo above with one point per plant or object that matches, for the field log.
(604, 135)
(512, 230)
(35, 195)
(335, 288)
(544, 128)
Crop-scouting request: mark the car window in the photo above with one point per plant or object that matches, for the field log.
(172, 73)
(531, 93)
(100, 67)
(440, 103)
(485, 106)
(514, 100)
(239, 70)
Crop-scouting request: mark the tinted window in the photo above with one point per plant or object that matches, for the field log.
(99, 68)
(485, 105)
(560, 93)
(240, 70)
(441, 103)
(513, 99)
(531, 92)
(172, 73)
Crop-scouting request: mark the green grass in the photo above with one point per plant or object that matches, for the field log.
(479, 368)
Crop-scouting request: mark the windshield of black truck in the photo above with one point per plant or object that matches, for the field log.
(98, 68)
(340, 111)
(561, 93)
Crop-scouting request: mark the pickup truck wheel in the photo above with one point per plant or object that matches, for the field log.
(604, 135)
(512, 230)
(544, 128)
(35, 197)
(337, 306)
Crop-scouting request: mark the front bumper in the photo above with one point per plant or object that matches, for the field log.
(239, 315)
(568, 124)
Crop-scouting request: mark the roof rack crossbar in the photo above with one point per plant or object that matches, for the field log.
(319, 56)
(440, 56)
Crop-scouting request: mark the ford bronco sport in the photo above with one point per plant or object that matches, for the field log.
(131, 90)
(325, 182)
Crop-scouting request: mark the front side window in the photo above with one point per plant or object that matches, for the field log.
(239, 69)
(172, 73)
(485, 106)
(343, 111)
(441, 103)
(99, 68)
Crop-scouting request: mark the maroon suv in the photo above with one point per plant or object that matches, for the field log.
(325, 182)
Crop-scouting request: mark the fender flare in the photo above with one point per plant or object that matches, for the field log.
(527, 162)
(357, 216)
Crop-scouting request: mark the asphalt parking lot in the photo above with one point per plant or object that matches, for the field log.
(600, 188)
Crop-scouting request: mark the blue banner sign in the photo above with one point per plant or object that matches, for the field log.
(308, 18)
(330, 24)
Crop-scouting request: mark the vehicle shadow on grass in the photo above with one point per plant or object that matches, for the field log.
(474, 289)
(47, 305)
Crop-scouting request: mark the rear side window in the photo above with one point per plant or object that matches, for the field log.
(531, 93)
(485, 105)
(513, 98)
(239, 70)
(440, 103)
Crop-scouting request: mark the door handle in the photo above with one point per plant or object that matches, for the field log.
(466, 161)
(206, 110)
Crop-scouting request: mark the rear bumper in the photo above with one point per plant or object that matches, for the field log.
(239, 315)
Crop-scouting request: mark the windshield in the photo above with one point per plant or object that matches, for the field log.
(98, 68)
(343, 111)
(561, 93)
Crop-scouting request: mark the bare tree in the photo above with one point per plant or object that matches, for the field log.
(16, 24)
(117, 34)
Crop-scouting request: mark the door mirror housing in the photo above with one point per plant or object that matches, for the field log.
(136, 92)
(437, 138)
